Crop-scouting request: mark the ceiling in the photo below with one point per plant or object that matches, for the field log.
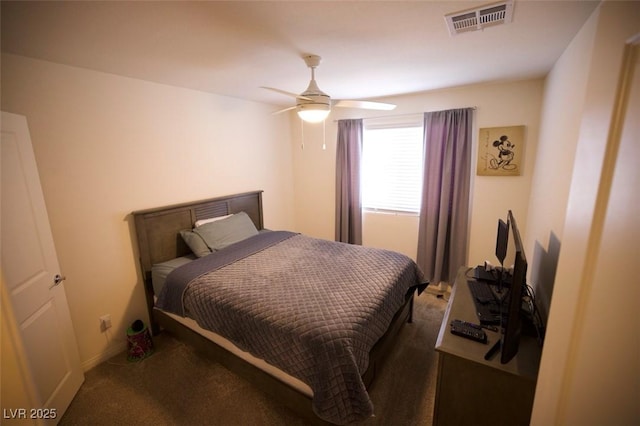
(369, 49)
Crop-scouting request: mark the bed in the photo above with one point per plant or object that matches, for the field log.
(306, 320)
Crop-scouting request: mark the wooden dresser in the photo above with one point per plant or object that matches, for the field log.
(472, 390)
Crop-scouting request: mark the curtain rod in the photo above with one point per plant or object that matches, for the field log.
(401, 115)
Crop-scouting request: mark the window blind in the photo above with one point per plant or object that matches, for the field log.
(392, 166)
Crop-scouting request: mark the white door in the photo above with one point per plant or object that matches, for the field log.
(30, 266)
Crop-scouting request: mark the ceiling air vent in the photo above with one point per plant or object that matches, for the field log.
(480, 17)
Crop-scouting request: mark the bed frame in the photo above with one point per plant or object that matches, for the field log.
(159, 240)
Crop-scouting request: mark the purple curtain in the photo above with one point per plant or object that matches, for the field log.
(348, 198)
(442, 234)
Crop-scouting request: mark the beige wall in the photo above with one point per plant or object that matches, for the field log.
(108, 145)
(499, 104)
(590, 363)
(562, 109)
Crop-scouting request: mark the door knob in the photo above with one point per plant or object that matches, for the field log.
(57, 280)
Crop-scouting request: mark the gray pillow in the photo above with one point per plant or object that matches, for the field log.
(195, 243)
(217, 235)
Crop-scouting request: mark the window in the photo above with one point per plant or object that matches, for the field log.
(392, 165)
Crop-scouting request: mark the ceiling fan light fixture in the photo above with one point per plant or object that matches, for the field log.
(314, 106)
(313, 113)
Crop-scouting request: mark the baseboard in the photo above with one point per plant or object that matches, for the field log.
(104, 356)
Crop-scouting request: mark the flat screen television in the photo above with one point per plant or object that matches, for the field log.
(516, 261)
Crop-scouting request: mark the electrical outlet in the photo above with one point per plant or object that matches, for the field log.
(105, 322)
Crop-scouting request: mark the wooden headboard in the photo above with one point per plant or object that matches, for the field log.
(158, 229)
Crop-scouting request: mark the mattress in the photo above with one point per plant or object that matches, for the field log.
(246, 356)
(160, 271)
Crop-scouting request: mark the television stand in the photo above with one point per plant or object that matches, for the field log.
(471, 389)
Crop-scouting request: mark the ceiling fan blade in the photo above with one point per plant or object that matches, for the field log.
(284, 92)
(283, 110)
(365, 105)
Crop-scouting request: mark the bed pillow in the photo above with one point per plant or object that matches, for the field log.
(195, 243)
(212, 219)
(221, 233)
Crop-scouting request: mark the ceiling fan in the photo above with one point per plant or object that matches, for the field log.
(313, 105)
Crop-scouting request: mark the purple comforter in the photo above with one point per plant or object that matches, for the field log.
(311, 307)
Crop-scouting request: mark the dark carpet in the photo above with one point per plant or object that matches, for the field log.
(179, 386)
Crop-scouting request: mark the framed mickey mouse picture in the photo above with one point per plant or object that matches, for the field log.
(500, 151)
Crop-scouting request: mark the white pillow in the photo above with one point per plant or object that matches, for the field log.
(213, 219)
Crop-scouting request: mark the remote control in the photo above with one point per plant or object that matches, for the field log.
(478, 326)
(468, 330)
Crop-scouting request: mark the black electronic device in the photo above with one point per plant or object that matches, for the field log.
(493, 351)
(468, 330)
(502, 239)
(485, 273)
(489, 308)
(499, 274)
(512, 327)
(502, 243)
(508, 289)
